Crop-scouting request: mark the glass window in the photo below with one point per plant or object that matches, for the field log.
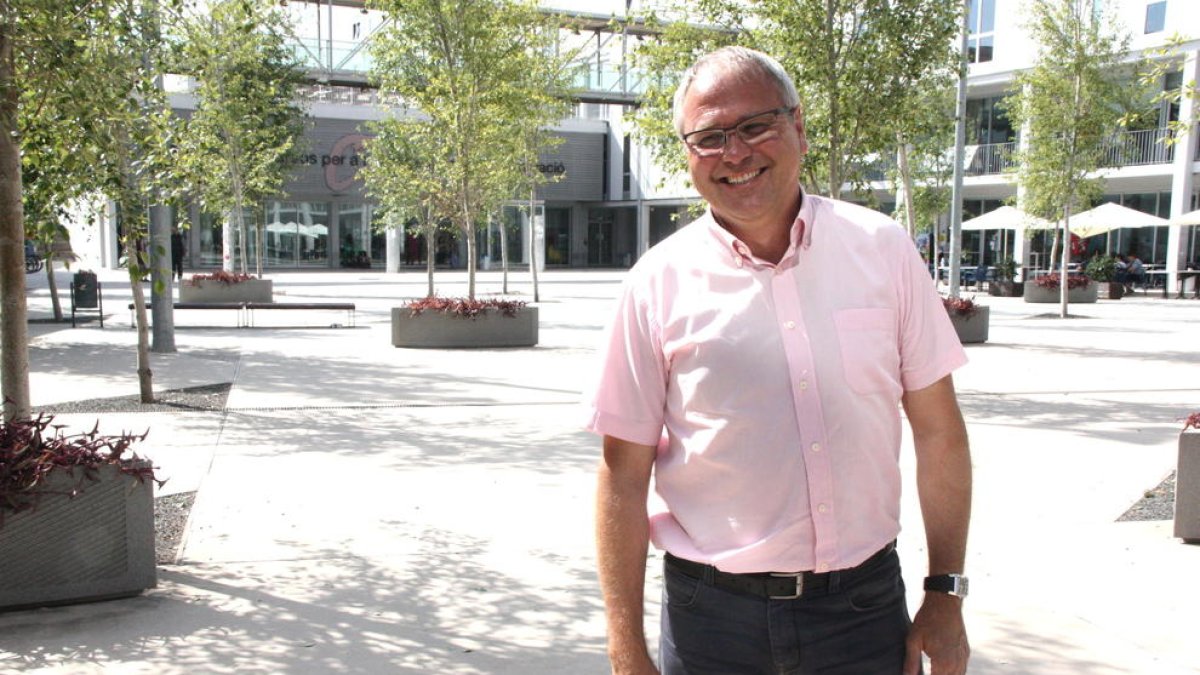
(1156, 16)
(354, 227)
(297, 234)
(558, 236)
(981, 22)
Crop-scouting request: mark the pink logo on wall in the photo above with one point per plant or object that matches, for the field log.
(342, 162)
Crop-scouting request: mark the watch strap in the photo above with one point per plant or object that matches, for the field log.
(954, 584)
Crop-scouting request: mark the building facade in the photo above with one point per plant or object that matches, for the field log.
(610, 202)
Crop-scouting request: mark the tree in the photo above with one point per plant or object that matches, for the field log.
(858, 66)
(247, 120)
(1069, 104)
(475, 71)
(403, 174)
(65, 72)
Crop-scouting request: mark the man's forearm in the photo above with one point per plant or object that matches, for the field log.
(622, 534)
(944, 489)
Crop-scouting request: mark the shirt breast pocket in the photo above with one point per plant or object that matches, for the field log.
(870, 349)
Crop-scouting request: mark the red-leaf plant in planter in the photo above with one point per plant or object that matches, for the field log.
(467, 308)
(76, 515)
(227, 278)
(1052, 280)
(960, 306)
(32, 448)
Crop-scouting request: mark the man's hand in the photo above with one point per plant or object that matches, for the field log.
(938, 631)
(636, 664)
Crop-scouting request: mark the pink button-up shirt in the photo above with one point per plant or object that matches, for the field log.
(772, 391)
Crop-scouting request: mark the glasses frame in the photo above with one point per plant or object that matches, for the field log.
(735, 129)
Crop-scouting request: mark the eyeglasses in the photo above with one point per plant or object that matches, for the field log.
(754, 130)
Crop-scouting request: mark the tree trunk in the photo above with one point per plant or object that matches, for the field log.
(227, 230)
(910, 211)
(430, 245)
(533, 251)
(14, 331)
(503, 250)
(469, 231)
(52, 284)
(145, 375)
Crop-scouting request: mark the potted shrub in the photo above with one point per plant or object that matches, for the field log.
(462, 322)
(1187, 482)
(1045, 289)
(222, 286)
(76, 516)
(1103, 270)
(1003, 285)
(970, 320)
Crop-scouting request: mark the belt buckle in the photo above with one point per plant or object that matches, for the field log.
(798, 576)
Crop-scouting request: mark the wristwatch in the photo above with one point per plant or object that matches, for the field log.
(954, 584)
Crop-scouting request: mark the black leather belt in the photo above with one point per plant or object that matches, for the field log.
(773, 585)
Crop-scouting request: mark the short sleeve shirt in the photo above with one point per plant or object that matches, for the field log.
(772, 391)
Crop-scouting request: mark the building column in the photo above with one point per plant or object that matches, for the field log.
(1182, 178)
(394, 240)
(1020, 239)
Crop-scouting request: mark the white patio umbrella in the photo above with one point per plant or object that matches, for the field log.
(1190, 218)
(1006, 218)
(1110, 216)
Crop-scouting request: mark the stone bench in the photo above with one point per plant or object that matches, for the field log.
(234, 306)
(347, 307)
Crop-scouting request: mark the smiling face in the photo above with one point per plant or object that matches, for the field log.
(753, 189)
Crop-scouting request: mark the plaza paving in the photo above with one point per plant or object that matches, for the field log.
(366, 509)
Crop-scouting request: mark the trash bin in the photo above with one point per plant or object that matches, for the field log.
(86, 294)
(84, 290)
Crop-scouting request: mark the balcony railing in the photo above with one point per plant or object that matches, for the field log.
(991, 158)
(1139, 148)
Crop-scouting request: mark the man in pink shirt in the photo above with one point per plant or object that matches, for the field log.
(755, 371)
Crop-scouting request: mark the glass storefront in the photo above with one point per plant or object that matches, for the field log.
(558, 237)
(361, 245)
(296, 234)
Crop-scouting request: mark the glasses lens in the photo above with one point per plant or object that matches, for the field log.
(707, 141)
(757, 129)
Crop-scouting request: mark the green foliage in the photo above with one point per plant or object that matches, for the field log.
(1006, 270)
(1102, 268)
(862, 68)
(484, 76)
(247, 123)
(1160, 63)
(1071, 102)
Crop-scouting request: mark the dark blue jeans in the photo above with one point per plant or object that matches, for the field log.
(857, 627)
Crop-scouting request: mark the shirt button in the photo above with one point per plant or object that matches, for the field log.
(737, 261)
(822, 567)
(803, 385)
(821, 508)
(816, 447)
(790, 325)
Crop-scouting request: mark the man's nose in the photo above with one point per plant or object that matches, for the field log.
(735, 148)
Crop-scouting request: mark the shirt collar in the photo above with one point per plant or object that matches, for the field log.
(739, 252)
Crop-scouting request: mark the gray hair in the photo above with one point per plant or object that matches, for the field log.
(745, 64)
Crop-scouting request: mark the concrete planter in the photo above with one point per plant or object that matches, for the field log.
(207, 290)
(95, 546)
(1187, 488)
(1006, 289)
(1037, 294)
(972, 328)
(433, 330)
(1109, 290)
